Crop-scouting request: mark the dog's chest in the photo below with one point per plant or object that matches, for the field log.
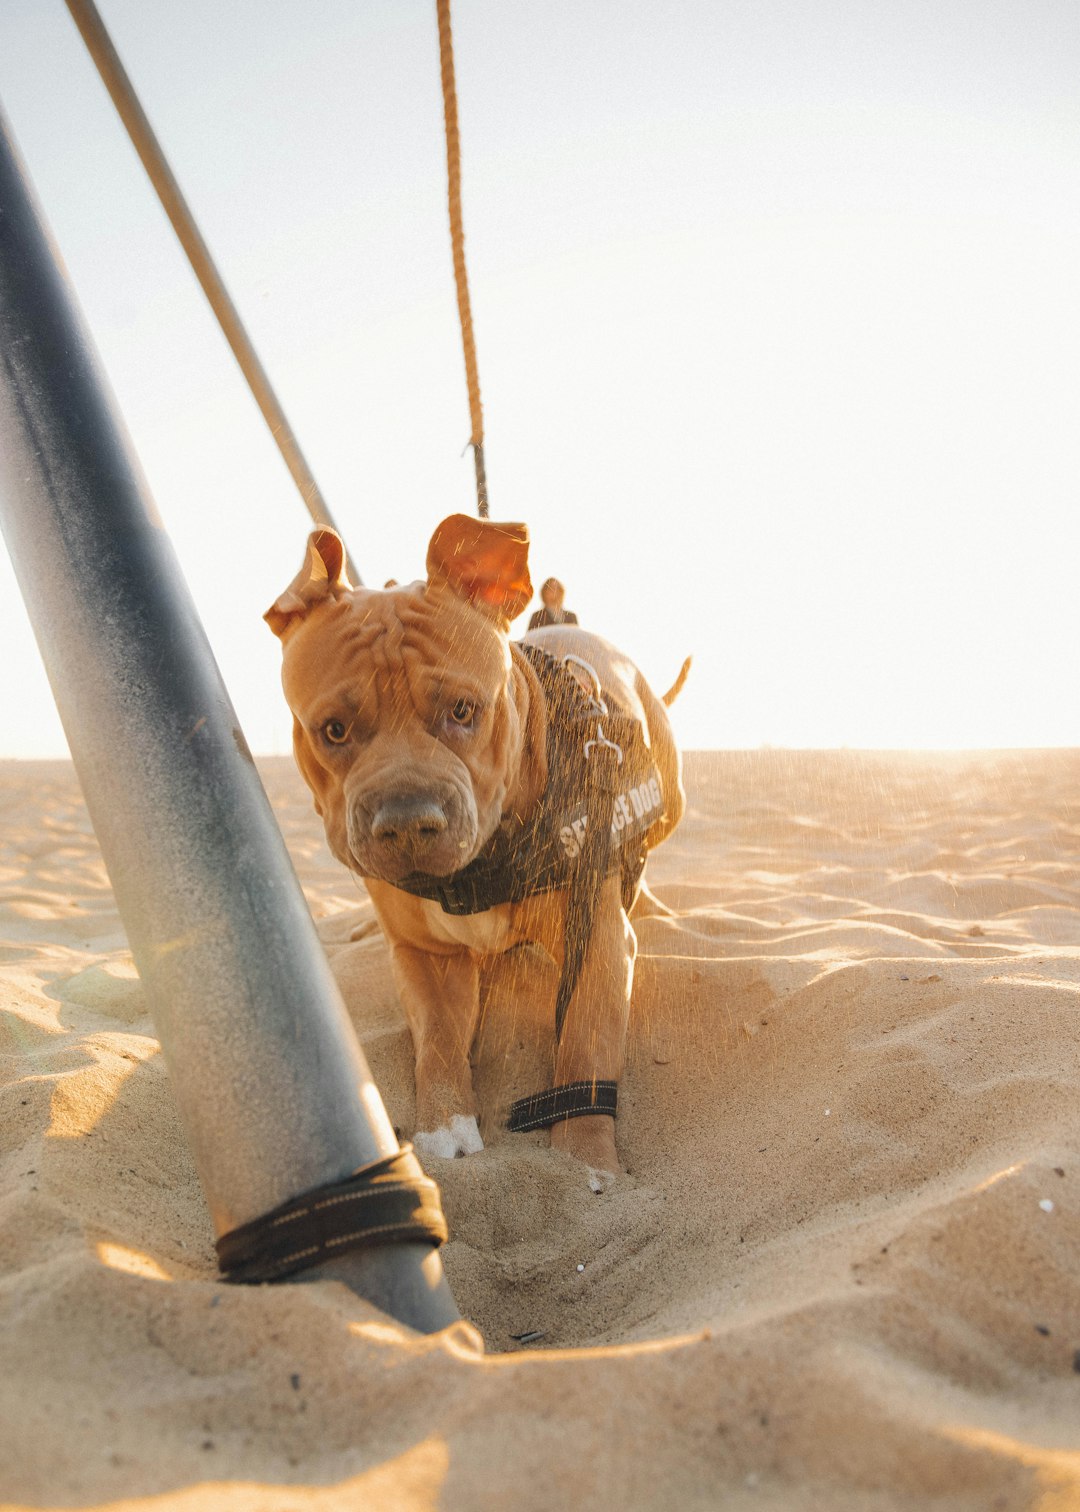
(489, 933)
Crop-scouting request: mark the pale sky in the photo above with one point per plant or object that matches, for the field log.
(777, 305)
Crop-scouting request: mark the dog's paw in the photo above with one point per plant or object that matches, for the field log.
(462, 1137)
(592, 1141)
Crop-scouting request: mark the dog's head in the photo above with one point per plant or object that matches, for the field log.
(409, 725)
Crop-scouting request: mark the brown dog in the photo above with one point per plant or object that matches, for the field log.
(428, 741)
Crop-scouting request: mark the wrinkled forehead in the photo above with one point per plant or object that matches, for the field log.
(414, 634)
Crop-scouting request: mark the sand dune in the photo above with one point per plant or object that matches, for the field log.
(842, 1272)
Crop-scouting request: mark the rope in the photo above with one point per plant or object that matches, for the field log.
(457, 241)
(114, 76)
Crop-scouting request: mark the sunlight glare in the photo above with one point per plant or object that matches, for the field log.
(131, 1261)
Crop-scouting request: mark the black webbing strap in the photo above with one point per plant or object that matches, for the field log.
(388, 1202)
(575, 1100)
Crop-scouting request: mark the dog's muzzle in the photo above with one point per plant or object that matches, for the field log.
(393, 834)
(412, 825)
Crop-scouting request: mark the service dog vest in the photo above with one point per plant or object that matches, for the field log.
(544, 854)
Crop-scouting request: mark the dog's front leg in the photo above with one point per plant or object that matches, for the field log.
(441, 998)
(594, 1034)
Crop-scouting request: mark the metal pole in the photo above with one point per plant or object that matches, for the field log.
(114, 76)
(271, 1084)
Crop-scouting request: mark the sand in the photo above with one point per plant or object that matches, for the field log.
(842, 1272)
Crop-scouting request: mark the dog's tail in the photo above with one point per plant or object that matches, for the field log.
(676, 688)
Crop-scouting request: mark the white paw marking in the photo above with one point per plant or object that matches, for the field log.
(464, 1129)
(600, 1181)
(461, 1138)
(438, 1142)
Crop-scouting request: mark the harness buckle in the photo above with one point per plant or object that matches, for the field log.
(454, 898)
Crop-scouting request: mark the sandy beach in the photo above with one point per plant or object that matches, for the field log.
(842, 1272)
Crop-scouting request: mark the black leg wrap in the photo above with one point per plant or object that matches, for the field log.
(575, 1100)
(388, 1202)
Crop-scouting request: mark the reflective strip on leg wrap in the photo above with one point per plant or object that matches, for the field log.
(575, 1100)
(388, 1202)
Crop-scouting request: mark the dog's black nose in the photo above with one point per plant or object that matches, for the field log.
(412, 824)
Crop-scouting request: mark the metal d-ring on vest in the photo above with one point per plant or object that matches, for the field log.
(569, 661)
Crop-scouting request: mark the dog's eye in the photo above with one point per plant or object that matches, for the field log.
(463, 712)
(335, 732)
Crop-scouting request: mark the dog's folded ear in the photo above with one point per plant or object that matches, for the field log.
(322, 577)
(484, 562)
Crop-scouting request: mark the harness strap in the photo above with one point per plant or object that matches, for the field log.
(574, 1100)
(390, 1201)
(594, 864)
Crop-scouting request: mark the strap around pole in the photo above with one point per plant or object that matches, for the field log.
(388, 1202)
